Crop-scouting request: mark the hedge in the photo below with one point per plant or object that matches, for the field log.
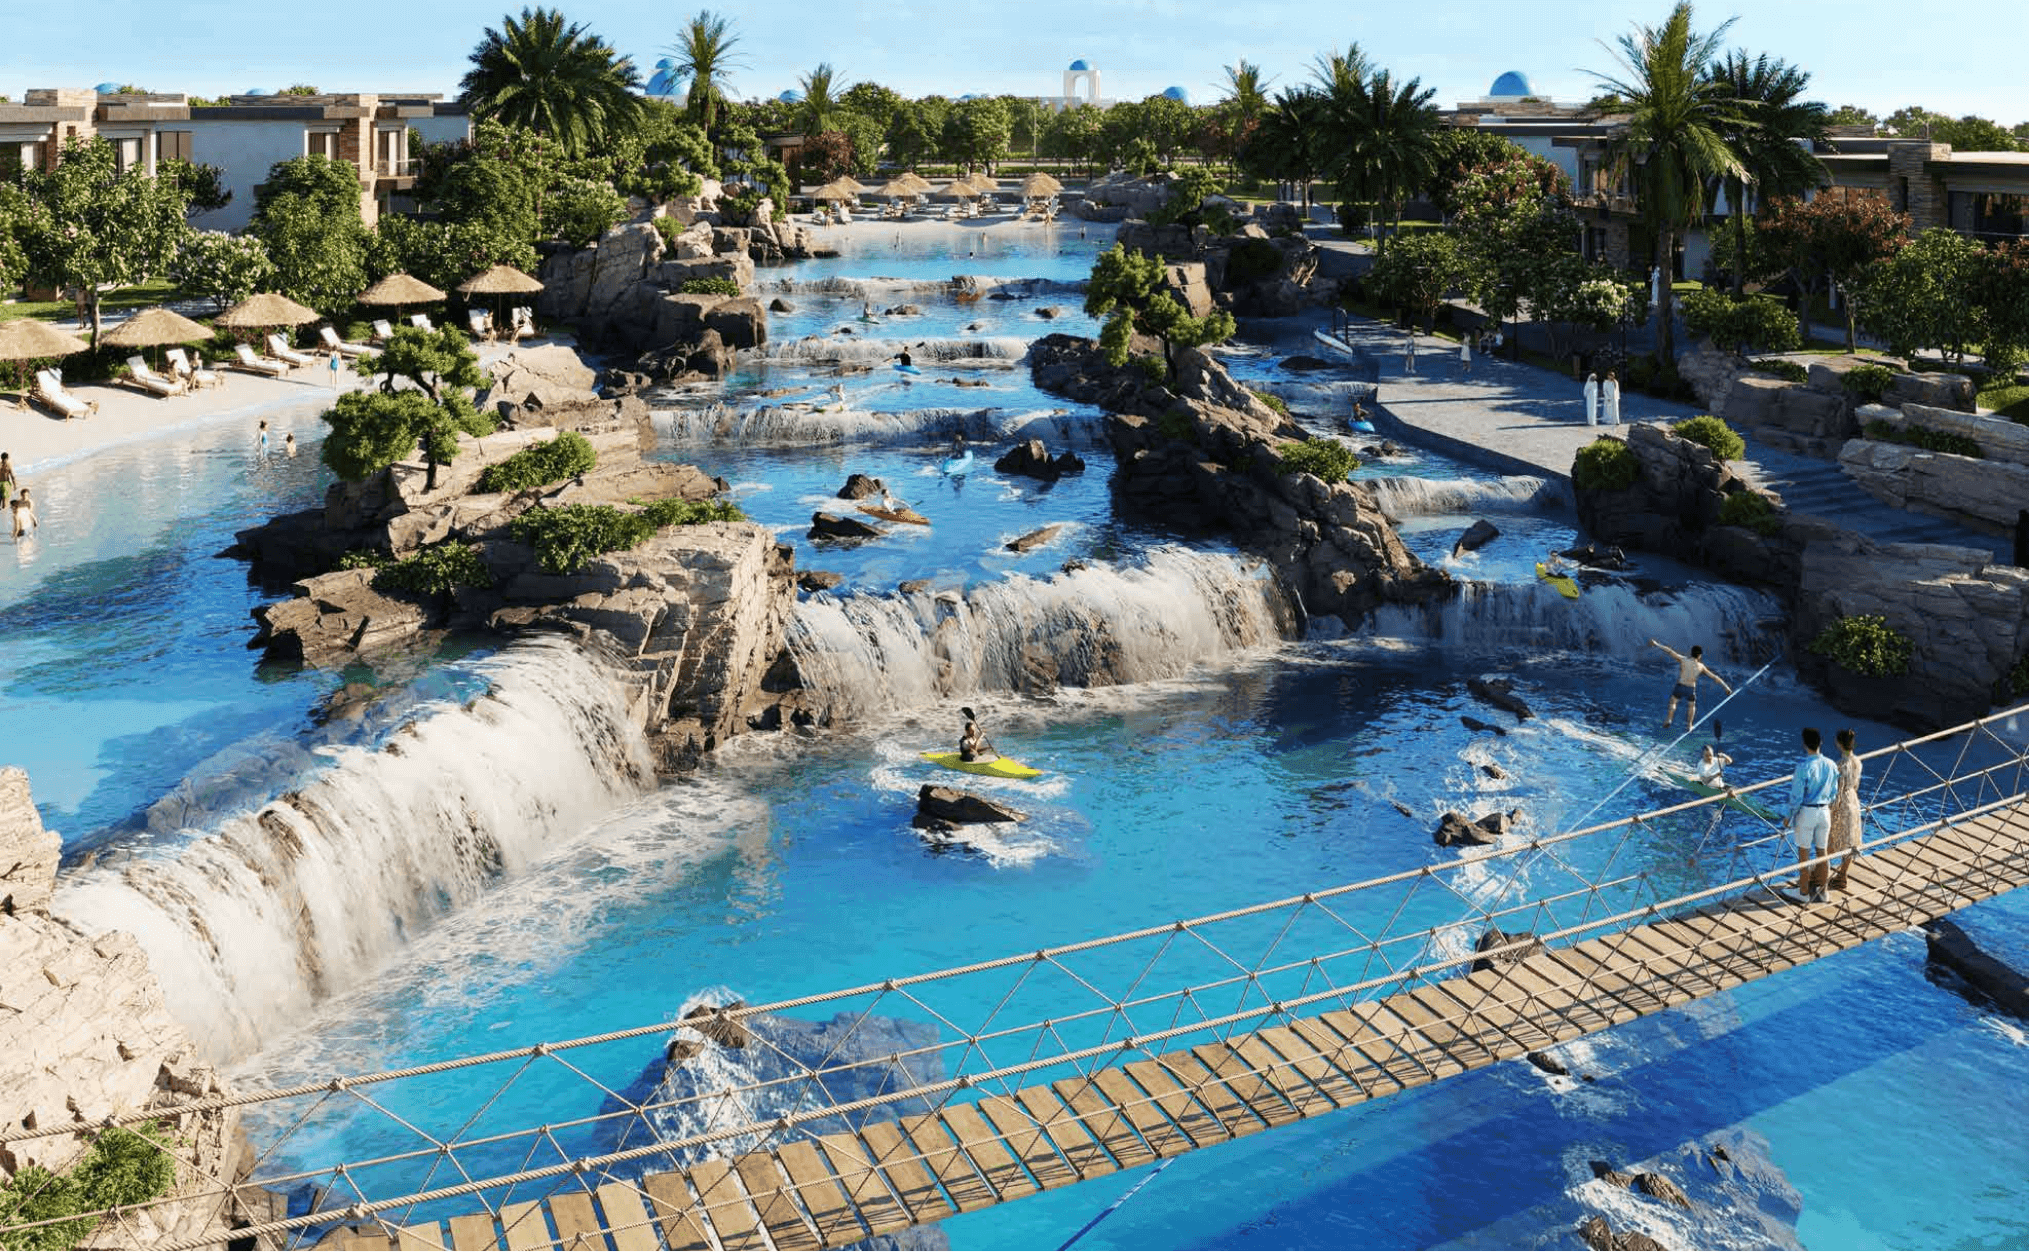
(1928, 440)
(709, 287)
(567, 537)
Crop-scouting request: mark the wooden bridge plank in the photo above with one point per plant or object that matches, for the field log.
(1387, 1055)
(473, 1232)
(952, 1168)
(1331, 1083)
(912, 1184)
(1233, 1114)
(1233, 1070)
(1522, 993)
(368, 1240)
(428, 1238)
(1065, 1130)
(724, 1204)
(675, 1211)
(822, 1194)
(1193, 1119)
(1107, 1122)
(774, 1200)
(1400, 1022)
(525, 1226)
(1030, 1145)
(853, 1162)
(1370, 1077)
(577, 1222)
(1158, 1131)
(626, 1216)
(988, 1152)
(1293, 1084)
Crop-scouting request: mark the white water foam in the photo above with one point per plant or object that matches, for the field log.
(1424, 497)
(1734, 623)
(251, 922)
(802, 425)
(999, 351)
(1098, 626)
(869, 288)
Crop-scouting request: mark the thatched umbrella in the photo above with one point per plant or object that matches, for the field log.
(153, 328)
(29, 339)
(917, 183)
(837, 189)
(895, 189)
(983, 183)
(266, 309)
(502, 281)
(398, 290)
(1040, 186)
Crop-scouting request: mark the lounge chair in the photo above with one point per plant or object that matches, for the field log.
(421, 321)
(328, 336)
(279, 348)
(382, 332)
(259, 364)
(481, 323)
(523, 323)
(49, 389)
(191, 376)
(139, 375)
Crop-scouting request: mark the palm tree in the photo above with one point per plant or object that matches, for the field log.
(1342, 74)
(1246, 90)
(819, 110)
(552, 77)
(704, 53)
(1772, 139)
(1292, 140)
(1674, 143)
(1385, 139)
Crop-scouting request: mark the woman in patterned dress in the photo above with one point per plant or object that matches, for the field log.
(1845, 836)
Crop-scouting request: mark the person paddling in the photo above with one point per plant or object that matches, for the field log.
(1689, 670)
(904, 359)
(973, 745)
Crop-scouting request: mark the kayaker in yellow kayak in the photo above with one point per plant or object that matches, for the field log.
(972, 745)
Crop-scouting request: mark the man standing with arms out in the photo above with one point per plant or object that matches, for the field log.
(1811, 792)
(1689, 670)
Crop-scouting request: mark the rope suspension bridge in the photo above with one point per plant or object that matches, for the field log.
(941, 1093)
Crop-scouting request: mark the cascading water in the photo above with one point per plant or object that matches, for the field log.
(1734, 624)
(250, 922)
(1097, 626)
(870, 288)
(1424, 497)
(1003, 350)
(802, 425)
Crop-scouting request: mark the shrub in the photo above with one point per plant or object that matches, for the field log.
(1251, 259)
(1790, 371)
(1605, 464)
(661, 513)
(581, 209)
(362, 558)
(1176, 425)
(1928, 440)
(1723, 440)
(1329, 459)
(715, 286)
(434, 571)
(1734, 325)
(1272, 400)
(122, 1167)
(1865, 645)
(1868, 382)
(669, 228)
(565, 538)
(1664, 383)
(1154, 366)
(567, 456)
(1750, 509)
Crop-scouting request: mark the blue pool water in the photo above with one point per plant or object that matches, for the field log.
(1232, 766)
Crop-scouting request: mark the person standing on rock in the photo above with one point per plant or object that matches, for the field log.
(1689, 670)
(1591, 394)
(1811, 792)
(1609, 396)
(1845, 833)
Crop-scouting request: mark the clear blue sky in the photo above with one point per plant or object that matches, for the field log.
(1878, 53)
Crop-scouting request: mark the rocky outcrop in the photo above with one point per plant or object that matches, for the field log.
(1500, 692)
(86, 1036)
(1033, 460)
(1034, 539)
(1455, 830)
(832, 527)
(625, 293)
(1119, 196)
(1984, 493)
(1250, 273)
(939, 808)
(1508, 948)
(1202, 454)
(1989, 980)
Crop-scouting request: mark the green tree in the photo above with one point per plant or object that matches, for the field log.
(203, 186)
(1074, 134)
(1247, 91)
(977, 132)
(1772, 131)
(495, 195)
(1836, 239)
(89, 225)
(371, 430)
(299, 89)
(553, 77)
(1418, 271)
(864, 134)
(1026, 118)
(818, 110)
(1130, 290)
(1852, 115)
(14, 220)
(227, 268)
(1517, 242)
(705, 54)
(1168, 124)
(1918, 298)
(582, 209)
(1382, 139)
(1674, 144)
(1291, 143)
(2001, 289)
(872, 101)
(829, 155)
(1735, 324)
(917, 130)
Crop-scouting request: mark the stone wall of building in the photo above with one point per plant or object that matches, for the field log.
(1913, 188)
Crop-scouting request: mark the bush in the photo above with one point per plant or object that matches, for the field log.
(709, 287)
(362, 558)
(1272, 400)
(1734, 325)
(1605, 464)
(434, 571)
(122, 1167)
(1868, 383)
(1928, 440)
(1329, 459)
(567, 456)
(1723, 440)
(1867, 646)
(1664, 383)
(1177, 426)
(567, 537)
(581, 209)
(1790, 371)
(1250, 260)
(669, 228)
(1154, 366)
(1750, 509)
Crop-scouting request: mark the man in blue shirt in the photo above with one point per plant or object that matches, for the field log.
(1810, 816)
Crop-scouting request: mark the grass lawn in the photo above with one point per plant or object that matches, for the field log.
(2010, 400)
(139, 296)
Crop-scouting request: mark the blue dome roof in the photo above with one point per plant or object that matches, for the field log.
(1081, 64)
(1177, 93)
(257, 91)
(970, 95)
(1512, 83)
(666, 63)
(791, 96)
(664, 83)
(108, 89)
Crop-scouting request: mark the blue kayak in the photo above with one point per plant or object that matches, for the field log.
(959, 464)
(1360, 427)
(907, 369)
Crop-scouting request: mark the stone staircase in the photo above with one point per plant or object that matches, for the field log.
(1809, 485)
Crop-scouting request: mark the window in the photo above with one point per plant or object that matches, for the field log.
(127, 153)
(175, 146)
(323, 143)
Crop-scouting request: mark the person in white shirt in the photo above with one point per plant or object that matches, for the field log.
(1609, 399)
(1689, 670)
(1712, 767)
(1591, 393)
(1811, 792)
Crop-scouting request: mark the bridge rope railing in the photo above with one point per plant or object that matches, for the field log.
(1261, 985)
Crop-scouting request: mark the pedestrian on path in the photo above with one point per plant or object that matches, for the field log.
(1609, 395)
(1465, 357)
(1409, 351)
(1591, 393)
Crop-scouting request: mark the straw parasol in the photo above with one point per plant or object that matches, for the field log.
(28, 339)
(153, 328)
(983, 183)
(837, 189)
(500, 280)
(266, 309)
(398, 290)
(1040, 186)
(917, 183)
(895, 188)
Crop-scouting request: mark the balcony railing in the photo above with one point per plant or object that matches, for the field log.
(395, 169)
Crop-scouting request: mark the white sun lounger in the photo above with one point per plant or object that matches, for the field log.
(279, 348)
(481, 323)
(181, 369)
(139, 375)
(328, 336)
(382, 332)
(421, 321)
(259, 364)
(49, 390)
(523, 324)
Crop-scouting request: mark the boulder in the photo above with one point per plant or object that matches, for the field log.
(1034, 539)
(625, 254)
(831, 527)
(1476, 536)
(860, 486)
(673, 274)
(1548, 1064)
(706, 1020)
(1495, 937)
(1603, 1238)
(338, 616)
(1456, 830)
(779, 305)
(1493, 771)
(1937, 391)
(1186, 281)
(1500, 692)
(947, 804)
(1947, 945)
(818, 580)
(1479, 727)
(906, 310)
(912, 586)
(1033, 460)
(1050, 312)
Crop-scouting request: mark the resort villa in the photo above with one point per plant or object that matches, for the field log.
(244, 137)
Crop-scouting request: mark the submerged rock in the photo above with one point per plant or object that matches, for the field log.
(860, 486)
(1500, 692)
(1477, 726)
(1456, 830)
(1034, 539)
(1033, 460)
(1603, 1238)
(1476, 536)
(830, 526)
(779, 305)
(1495, 937)
(949, 806)
(1548, 1064)
(819, 579)
(1992, 980)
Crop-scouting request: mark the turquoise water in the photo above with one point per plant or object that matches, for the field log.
(1244, 770)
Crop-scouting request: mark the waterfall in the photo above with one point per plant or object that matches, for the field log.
(801, 425)
(1331, 398)
(1004, 350)
(886, 288)
(250, 921)
(1093, 627)
(1733, 623)
(1420, 497)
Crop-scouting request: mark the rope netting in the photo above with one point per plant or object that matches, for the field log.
(599, 1128)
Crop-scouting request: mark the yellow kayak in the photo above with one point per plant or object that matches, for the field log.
(998, 767)
(1562, 582)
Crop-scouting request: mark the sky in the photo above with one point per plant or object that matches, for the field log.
(1874, 53)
